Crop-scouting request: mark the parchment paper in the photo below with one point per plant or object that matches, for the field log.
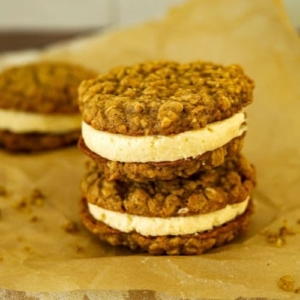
(41, 256)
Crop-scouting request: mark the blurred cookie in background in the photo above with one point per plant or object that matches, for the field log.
(38, 105)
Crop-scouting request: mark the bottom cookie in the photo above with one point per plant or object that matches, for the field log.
(189, 244)
(31, 142)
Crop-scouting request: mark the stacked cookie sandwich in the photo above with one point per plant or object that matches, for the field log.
(166, 174)
(38, 105)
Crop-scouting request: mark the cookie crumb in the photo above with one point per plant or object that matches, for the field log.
(79, 249)
(298, 221)
(1, 258)
(28, 249)
(297, 290)
(286, 283)
(274, 238)
(34, 219)
(20, 238)
(284, 231)
(23, 205)
(3, 191)
(37, 197)
(278, 238)
(71, 227)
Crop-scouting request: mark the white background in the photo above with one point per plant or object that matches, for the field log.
(86, 14)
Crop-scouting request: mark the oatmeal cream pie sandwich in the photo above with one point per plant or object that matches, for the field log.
(161, 120)
(38, 105)
(179, 216)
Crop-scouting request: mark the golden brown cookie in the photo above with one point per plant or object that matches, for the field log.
(161, 120)
(38, 105)
(164, 97)
(180, 216)
(166, 174)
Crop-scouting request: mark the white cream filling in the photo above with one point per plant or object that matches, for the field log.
(157, 148)
(23, 122)
(167, 226)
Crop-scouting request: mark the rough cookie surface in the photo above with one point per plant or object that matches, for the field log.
(143, 172)
(163, 97)
(32, 142)
(43, 87)
(172, 245)
(208, 191)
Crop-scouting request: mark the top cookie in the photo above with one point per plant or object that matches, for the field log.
(163, 97)
(42, 87)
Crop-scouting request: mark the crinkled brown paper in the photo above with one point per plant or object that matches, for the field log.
(42, 260)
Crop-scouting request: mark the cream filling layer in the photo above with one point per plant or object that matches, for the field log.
(167, 226)
(157, 148)
(24, 122)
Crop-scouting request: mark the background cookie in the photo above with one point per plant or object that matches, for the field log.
(36, 141)
(38, 105)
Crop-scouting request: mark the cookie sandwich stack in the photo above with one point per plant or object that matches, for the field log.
(38, 105)
(166, 174)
